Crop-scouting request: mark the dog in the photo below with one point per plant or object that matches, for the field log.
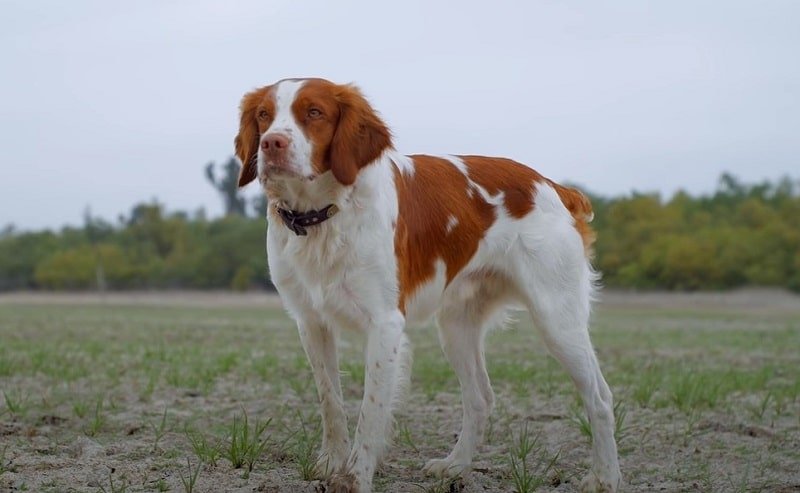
(361, 237)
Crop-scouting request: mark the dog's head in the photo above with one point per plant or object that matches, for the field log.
(299, 129)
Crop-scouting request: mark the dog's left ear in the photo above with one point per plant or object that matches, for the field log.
(246, 142)
(360, 137)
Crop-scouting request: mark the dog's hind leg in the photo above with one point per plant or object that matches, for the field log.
(468, 312)
(555, 280)
(564, 330)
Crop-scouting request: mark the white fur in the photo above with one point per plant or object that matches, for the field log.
(424, 302)
(343, 275)
(299, 151)
(452, 222)
(458, 163)
(403, 163)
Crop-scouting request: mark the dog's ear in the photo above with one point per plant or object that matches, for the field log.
(246, 142)
(360, 136)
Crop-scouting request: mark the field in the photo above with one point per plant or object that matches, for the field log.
(155, 392)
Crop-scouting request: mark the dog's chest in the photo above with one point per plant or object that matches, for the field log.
(344, 273)
(315, 258)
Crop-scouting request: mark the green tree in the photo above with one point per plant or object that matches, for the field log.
(740, 234)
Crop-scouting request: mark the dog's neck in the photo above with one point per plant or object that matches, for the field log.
(306, 195)
(309, 195)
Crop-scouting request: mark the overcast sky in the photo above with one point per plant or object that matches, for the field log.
(106, 104)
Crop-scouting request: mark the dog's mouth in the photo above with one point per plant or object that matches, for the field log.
(273, 171)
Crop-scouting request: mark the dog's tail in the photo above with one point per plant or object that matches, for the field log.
(580, 207)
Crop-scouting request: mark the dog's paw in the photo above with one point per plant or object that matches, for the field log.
(592, 483)
(346, 483)
(446, 468)
(329, 462)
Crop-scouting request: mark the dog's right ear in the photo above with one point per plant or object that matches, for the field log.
(246, 142)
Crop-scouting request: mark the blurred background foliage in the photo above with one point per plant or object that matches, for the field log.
(741, 234)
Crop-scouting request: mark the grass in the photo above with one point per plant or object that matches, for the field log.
(705, 390)
(304, 445)
(120, 486)
(646, 386)
(246, 444)
(208, 450)
(529, 461)
(80, 408)
(441, 485)
(16, 402)
(692, 390)
(5, 464)
(189, 480)
(405, 437)
(159, 430)
(579, 419)
(161, 485)
(97, 420)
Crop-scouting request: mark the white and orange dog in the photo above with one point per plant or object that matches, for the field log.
(362, 237)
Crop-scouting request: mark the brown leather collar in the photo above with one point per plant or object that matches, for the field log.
(299, 221)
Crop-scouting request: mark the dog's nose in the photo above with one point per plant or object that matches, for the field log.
(275, 143)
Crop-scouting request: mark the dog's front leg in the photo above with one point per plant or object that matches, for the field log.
(319, 343)
(385, 373)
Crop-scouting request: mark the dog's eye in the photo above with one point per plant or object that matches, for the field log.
(263, 115)
(314, 113)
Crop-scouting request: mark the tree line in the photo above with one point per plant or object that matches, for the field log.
(740, 234)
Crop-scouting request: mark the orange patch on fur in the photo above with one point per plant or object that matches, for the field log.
(427, 199)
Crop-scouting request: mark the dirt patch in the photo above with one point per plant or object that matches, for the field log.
(740, 300)
(749, 300)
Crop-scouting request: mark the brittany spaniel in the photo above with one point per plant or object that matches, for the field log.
(364, 238)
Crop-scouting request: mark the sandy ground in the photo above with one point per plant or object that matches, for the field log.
(748, 441)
